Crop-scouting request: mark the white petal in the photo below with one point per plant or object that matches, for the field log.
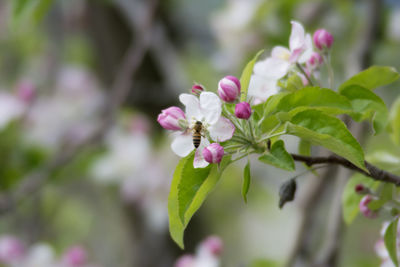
(199, 161)
(272, 68)
(192, 105)
(280, 52)
(210, 107)
(308, 49)
(222, 130)
(296, 39)
(261, 88)
(182, 144)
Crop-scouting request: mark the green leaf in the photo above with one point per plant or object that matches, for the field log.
(394, 120)
(316, 98)
(19, 6)
(264, 263)
(372, 77)
(304, 147)
(269, 123)
(189, 188)
(246, 75)
(390, 241)
(291, 84)
(278, 157)
(28, 11)
(385, 195)
(367, 105)
(328, 131)
(246, 181)
(350, 199)
(387, 191)
(376, 204)
(272, 102)
(41, 9)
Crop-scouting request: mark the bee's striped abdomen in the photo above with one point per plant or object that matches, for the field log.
(196, 139)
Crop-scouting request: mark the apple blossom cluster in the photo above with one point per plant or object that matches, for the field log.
(216, 119)
(300, 59)
(207, 255)
(213, 118)
(15, 253)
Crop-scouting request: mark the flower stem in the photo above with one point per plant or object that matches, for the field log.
(304, 73)
(240, 139)
(251, 131)
(270, 136)
(232, 119)
(243, 156)
(330, 69)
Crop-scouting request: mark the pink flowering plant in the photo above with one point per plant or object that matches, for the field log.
(281, 94)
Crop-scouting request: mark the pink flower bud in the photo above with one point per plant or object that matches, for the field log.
(75, 256)
(365, 209)
(315, 60)
(322, 39)
(213, 244)
(229, 88)
(213, 153)
(169, 118)
(11, 249)
(26, 92)
(185, 261)
(243, 110)
(361, 189)
(197, 89)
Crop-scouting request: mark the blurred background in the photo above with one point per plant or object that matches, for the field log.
(85, 168)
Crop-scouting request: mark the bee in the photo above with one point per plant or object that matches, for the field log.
(197, 133)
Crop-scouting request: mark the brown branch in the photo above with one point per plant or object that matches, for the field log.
(373, 171)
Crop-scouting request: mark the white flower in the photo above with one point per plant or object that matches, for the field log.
(127, 154)
(206, 109)
(40, 255)
(69, 112)
(263, 82)
(11, 109)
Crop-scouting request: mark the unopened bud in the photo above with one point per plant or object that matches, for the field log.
(229, 88)
(361, 189)
(243, 110)
(197, 89)
(315, 60)
(365, 210)
(323, 39)
(170, 118)
(213, 153)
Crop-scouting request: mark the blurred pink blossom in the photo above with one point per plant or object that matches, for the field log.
(365, 210)
(11, 249)
(207, 254)
(75, 256)
(26, 91)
